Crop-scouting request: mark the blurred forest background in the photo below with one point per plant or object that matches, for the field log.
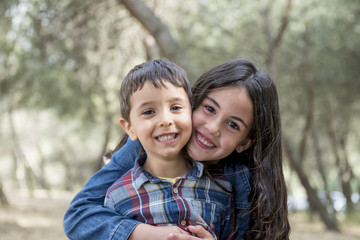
(62, 62)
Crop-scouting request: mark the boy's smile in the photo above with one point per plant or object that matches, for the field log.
(167, 138)
(161, 119)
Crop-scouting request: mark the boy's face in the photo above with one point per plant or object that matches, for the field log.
(161, 119)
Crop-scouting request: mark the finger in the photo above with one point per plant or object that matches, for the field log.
(171, 236)
(177, 236)
(200, 232)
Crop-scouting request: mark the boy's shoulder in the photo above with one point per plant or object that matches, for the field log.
(124, 180)
(134, 177)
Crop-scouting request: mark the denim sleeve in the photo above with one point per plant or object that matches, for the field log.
(240, 178)
(227, 225)
(86, 217)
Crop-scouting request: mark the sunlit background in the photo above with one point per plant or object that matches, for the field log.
(62, 62)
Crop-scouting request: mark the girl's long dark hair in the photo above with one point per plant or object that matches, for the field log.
(268, 212)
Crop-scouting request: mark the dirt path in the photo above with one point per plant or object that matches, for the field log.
(314, 230)
(40, 217)
(37, 218)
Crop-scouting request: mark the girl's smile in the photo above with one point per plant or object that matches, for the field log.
(203, 141)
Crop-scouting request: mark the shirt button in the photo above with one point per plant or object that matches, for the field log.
(183, 223)
(175, 190)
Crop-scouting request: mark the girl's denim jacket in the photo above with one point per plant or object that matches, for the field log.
(87, 218)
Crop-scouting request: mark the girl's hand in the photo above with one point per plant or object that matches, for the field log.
(145, 231)
(198, 230)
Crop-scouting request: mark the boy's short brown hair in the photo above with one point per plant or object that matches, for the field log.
(158, 72)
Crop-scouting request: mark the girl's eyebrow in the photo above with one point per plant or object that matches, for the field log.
(234, 117)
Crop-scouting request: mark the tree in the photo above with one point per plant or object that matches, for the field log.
(66, 59)
(169, 47)
(3, 199)
(318, 83)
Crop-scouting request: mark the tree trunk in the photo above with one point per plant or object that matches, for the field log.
(20, 155)
(100, 159)
(151, 49)
(295, 159)
(3, 199)
(74, 168)
(169, 47)
(314, 201)
(338, 146)
(321, 169)
(14, 175)
(42, 180)
(347, 177)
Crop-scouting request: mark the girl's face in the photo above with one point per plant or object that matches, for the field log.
(221, 124)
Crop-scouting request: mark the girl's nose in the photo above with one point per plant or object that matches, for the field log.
(213, 128)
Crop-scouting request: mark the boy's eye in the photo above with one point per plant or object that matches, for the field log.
(176, 107)
(233, 125)
(148, 112)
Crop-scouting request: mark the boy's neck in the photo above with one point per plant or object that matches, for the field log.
(167, 168)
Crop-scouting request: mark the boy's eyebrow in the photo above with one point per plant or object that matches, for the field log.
(144, 104)
(174, 99)
(234, 117)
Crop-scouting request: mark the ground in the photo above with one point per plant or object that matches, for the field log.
(40, 217)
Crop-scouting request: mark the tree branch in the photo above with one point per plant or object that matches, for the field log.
(169, 47)
(274, 44)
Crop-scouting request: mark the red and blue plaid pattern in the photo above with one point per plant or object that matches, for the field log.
(193, 199)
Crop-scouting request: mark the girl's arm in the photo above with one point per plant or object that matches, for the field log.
(198, 230)
(228, 228)
(148, 232)
(240, 178)
(86, 217)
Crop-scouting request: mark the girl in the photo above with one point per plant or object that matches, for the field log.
(236, 125)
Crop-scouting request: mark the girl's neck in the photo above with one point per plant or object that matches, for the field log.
(168, 168)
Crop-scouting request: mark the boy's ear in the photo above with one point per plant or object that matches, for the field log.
(244, 145)
(128, 129)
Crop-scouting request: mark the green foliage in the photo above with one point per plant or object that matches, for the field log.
(69, 57)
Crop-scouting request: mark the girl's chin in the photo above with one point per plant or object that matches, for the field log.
(197, 156)
(201, 155)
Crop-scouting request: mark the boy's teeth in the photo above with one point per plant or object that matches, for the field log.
(166, 137)
(203, 141)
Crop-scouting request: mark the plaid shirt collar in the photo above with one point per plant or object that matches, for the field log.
(141, 176)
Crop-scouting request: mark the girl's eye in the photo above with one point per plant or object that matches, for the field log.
(233, 125)
(210, 109)
(175, 108)
(148, 112)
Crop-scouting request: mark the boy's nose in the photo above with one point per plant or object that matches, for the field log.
(166, 120)
(166, 123)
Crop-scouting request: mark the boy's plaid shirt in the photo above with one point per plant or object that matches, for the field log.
(194, 199)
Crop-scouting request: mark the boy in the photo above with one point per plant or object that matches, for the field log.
(164, 187)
